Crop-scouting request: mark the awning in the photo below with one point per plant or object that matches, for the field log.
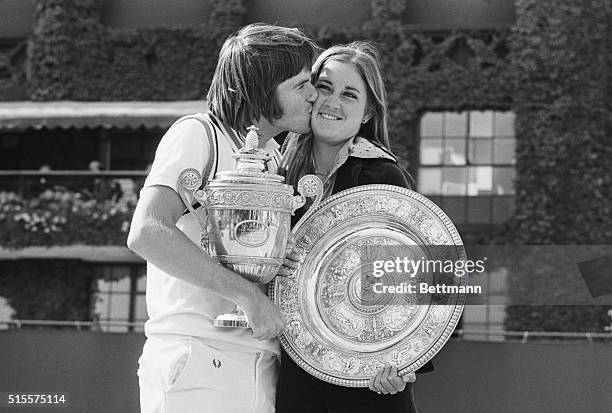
(70, 114)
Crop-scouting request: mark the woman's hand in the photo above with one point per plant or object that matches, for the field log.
(387, 381)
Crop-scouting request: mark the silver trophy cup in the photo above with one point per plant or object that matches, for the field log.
(248, 216)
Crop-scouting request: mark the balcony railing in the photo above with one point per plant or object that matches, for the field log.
(29, 183)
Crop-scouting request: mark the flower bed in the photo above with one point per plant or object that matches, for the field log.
(62, 217)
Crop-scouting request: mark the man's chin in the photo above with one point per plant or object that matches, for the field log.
(304, 130)
(299, 129)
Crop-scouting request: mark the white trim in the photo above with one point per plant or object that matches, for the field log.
(65, 114)
(28, 109)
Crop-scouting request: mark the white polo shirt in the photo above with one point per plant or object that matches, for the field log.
(175, 306)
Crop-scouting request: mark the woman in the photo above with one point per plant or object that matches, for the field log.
(349, 146)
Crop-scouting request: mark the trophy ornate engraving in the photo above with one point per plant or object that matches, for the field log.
(248, 218)
(338, 328)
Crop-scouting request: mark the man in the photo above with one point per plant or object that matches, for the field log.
(262, 78)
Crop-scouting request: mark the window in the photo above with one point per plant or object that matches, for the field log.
(486, 321)
(120, 298)
(6, 313)
(467, 164)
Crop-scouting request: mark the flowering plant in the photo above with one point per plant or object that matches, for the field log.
(62, 217)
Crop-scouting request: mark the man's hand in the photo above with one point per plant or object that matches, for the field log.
(290, 264)
(264, 317)
(387, 381)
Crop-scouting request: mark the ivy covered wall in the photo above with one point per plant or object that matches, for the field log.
(562, 61)
(73, 56)
(553, 68)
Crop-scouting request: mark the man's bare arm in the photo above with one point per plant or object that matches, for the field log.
(155, 237)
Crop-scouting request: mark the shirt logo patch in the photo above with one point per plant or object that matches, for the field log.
(216, 363)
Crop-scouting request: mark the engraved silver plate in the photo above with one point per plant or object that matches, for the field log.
(334, 329)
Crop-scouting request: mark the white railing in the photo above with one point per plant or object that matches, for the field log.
(524, 336)
(79, 325)
(459, 334)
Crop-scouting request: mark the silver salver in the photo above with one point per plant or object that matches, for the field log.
(248, 216)
(332, 331)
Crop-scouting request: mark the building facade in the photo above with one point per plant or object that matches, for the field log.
(501, 110)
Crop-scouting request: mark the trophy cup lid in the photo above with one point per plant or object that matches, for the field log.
(250, 165)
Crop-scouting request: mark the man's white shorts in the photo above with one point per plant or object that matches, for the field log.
(180, 374)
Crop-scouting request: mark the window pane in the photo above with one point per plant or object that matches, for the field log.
(454, 181)
(504, 123)
(429, 180)
(497, 314)
(101, 306)
(481, 151)
(481, 123)
(498, 282)
(142, 284)
(479, 209)
(120, 306)
(455, 124)
(103, 286)
(6, 311)
(475, 314)
(504, 181)
(503, 208)
(454, 151)
(504, 150)
(431, 151)
(480, 181)
(123, 284)
(454, 206)
(431, 125)
(141, 308)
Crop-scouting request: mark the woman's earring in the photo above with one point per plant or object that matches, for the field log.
(364, 121)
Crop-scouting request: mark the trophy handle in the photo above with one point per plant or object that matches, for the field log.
(188, 183)
(308, 186)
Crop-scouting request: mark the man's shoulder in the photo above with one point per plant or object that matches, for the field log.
(187, 127)
(200, 127)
